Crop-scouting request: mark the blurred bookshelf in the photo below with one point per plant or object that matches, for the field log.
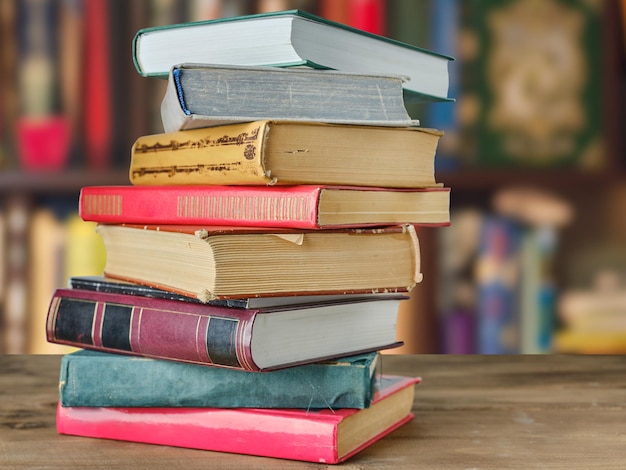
(87, 86)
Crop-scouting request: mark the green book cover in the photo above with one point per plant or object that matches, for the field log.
(92, 378)
(538, 83)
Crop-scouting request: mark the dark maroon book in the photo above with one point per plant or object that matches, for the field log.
(248, 339)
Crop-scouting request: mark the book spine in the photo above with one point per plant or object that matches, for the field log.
(498, 271)
(537, 292)
(42, 132)
(368, 15)
(9, 53)
(158, 328)
(217, 205)
(15, 292)
(132, 85)
(71, 26)
(97, 112)
(445, 24)
(92, 379)
(45, 268)
(231, 154)
(275, 434)
(173, 116)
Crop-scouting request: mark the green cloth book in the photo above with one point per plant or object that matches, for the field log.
(97, 379)
(287, 39)
(538, 81)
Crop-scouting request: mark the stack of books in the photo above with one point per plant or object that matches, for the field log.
(256, 263)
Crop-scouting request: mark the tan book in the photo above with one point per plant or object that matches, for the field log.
(284, 152)
(232, 262)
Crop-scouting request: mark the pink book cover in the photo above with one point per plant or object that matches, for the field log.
(251, 206)
(306, 435)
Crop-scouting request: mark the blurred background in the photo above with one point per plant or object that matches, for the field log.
(535, 258)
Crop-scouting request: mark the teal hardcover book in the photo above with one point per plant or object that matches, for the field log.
(287, 39)
(97, 379)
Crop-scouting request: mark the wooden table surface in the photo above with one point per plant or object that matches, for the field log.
(472, 412)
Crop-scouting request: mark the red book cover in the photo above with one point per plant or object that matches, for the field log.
(97, 99)
(368, 15)
(314, 436)
(259, 206)
(214, 335)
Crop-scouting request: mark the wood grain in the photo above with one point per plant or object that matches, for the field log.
(472, 412)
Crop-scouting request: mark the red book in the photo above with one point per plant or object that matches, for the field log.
(325, 436)
(305, 207)
(368, 15)
(248, 339)
(97, 99)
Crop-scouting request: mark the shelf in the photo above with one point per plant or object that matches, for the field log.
(68, 181)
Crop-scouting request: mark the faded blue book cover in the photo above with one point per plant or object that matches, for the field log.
(97, 379)
(498, 277)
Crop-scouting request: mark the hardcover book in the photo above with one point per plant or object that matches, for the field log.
(306, 207)
(208, 262)
(203, 95)
(92, 378)
(117, 286)
(248, 339)
(287, 153)
(290, 38)
(325, 436)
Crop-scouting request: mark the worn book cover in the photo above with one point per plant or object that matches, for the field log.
(326, 436)
(287, 153)
(212, 262)
(92, 378)
(204, 95)
(248, 339)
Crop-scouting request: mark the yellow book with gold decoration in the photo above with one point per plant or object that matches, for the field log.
(283, 152)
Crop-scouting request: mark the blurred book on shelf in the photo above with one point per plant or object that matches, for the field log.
(456, 283)
(8, 88)
(45, 272)
(96, 80)
(497, 292)
(539, 84)
(42, 129)
(528, 82)
(17, 211)
(497, 278)
(60, 245)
